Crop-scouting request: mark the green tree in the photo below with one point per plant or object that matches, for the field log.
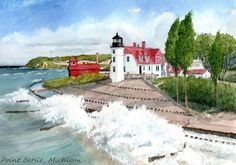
(203, 45)
(185, 48)
(170, 55)
(215, 59)
(228, 46)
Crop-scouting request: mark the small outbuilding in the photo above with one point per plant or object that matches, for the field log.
(75, 69)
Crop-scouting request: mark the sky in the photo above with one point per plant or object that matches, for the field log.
(32, 28)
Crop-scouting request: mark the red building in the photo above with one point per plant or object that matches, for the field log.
(75, 69)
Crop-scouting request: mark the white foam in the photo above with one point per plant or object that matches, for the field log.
(130, 136)
(67, 108)
(19, 73)
(5, 74)
(136, 134)
(36, 80)
(21, 94)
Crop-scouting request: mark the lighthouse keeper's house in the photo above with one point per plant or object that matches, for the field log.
(135, 60)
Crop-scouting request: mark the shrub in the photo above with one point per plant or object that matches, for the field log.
(64, 81)
(201, 91)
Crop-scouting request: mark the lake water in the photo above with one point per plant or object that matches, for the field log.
(20, 135)
(115, 133)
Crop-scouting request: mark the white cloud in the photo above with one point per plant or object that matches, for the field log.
(210, 22)
(161, 28)
(88, 37)
(27, 3)
(231, 23)
(207, 21)
(134, 10)
(91, 36)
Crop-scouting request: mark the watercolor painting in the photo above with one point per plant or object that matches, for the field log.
(133, 82)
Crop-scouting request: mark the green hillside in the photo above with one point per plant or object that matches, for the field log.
(61, 62)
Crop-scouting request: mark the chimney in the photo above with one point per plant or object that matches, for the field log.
(143, 44)
(97, 58)
(134, 44)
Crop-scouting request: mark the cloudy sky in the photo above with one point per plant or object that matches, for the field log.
(31, 28)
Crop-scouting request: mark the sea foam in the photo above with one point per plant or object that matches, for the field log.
(130, 136)
(127, 135)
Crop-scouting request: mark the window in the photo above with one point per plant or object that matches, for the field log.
(147, 59)
(149, 68)
(114, 69)
(114, 59)
(158, 58)
(157, 68)
(140, 58)
(143, 67)
(114, 51)
(162, 66)
(124, 68)
(127, 58)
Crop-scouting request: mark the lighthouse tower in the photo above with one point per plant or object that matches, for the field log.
(117, 59)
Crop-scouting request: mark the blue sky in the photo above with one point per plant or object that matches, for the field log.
(32, 28)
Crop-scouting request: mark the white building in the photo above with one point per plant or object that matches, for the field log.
(196, 69)
(135, 59)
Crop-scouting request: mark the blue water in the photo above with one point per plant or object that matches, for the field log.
(124, 135)
(12, 79)
(21, 141)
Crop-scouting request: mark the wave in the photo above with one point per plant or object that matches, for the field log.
(5, 74)
(127, 135)
(36, 80)
(130, 136)
(21, 94)
(19, 73)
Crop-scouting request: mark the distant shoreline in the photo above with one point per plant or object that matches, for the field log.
(11, 66)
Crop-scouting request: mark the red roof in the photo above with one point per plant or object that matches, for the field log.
(196, 71)
(170, 70)
(145, 55)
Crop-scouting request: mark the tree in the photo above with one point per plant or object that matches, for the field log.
(228, 46)
(203, 45)
(185, 48)
(215, 59)
(170, 55)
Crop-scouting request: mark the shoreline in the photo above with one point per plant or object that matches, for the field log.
(98, 94)
(101, 156)
(222, 124)
(175, 115)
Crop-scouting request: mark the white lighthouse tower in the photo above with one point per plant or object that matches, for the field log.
(117, 59)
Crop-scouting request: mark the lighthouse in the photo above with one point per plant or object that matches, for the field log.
(117, 60)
